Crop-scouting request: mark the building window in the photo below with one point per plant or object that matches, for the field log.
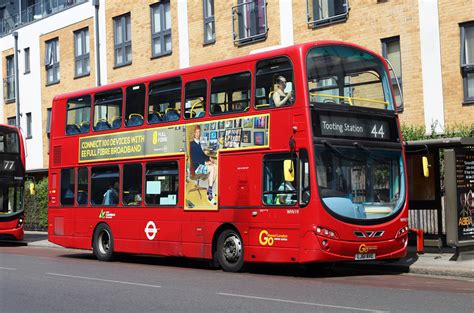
(251, 18)
(161, 29)
(323, 12)
(29, 133)
(48, 121)
(209, 22)
(467, 60)
(123, 40)
(51, 61)
(9, 81)
(27, 60)
(391, 51)
(11, 121)
(81, 54)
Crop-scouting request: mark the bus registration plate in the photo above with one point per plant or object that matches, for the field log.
(364, 256)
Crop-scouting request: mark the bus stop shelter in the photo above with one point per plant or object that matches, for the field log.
(441, 197)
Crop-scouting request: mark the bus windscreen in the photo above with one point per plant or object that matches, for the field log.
(343, 75)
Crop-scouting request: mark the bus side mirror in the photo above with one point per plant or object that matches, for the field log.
(426, 170)
(32, 189)
(289, 170)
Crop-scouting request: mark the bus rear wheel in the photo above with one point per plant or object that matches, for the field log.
(103, 243)
(230, 251)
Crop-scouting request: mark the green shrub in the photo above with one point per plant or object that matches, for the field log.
(36, 206)
(415, 132)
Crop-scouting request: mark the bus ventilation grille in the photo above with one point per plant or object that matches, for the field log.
(368, 234)
(57, 150)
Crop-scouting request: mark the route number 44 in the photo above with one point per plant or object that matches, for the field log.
(380, 132)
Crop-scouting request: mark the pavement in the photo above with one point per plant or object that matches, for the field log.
(434, 262)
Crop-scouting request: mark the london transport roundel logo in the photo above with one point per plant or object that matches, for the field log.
(150, 230)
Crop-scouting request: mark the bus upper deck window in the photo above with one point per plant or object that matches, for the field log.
(108, 110)
(347, 76)
(230, 93)
(78, 111)
(135, 105)
(164, 100)
(274, 85)
(195, 99)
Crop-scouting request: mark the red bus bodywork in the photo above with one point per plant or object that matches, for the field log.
(285, 234)
(12, 168)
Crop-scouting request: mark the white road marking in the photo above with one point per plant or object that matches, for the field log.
(104, 280)
(303, 303)
(8, 268)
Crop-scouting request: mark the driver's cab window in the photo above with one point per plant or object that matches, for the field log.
(277, 188)
(274, 84)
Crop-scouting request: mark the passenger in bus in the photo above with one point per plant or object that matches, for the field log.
(288, 197)
(279, 96)
(111, 195)
(202, 163)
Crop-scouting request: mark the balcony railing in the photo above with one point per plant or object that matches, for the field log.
(249, 22)
(9, 88)
(35, 12)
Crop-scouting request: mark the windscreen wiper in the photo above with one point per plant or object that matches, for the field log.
(342, 155)
(369, 152)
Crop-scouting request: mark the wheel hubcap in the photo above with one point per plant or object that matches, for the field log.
(232, 249)
(104, 242)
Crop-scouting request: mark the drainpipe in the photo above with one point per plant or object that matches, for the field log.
(17, 80)
(96, 4)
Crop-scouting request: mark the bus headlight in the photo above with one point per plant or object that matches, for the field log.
(326, 232)
(402, 232)
(20, 222)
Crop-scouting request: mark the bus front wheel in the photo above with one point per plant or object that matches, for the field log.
(230, 251)
(103, 243)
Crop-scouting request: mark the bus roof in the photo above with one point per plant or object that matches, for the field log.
(173, 73)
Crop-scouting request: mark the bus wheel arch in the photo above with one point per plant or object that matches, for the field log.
(228, 248)
(103, 242)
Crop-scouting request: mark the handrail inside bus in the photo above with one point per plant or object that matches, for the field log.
(196, 105)
(350, 99)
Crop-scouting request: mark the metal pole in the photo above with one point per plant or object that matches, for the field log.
(17, 80)
(97, 46)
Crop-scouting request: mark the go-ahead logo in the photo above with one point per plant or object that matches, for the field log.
(150, 230)
(267, 239)
(363, 248)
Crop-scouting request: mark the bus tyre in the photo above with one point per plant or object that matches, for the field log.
(103, 243)
(230, 251)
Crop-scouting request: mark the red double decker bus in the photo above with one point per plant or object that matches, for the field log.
(12, 175)
(287, 156)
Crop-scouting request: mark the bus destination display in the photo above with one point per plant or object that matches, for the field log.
(333, 125)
